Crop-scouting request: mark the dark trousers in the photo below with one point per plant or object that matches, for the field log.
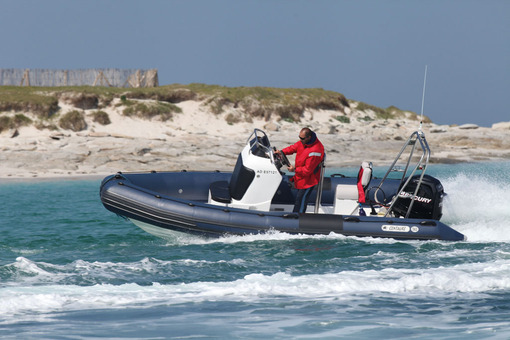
(302, 198)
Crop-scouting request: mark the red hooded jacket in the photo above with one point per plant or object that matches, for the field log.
(308, 159)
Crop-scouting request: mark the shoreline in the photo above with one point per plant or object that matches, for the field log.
(61, 178)
(100, 177)
(199, 140)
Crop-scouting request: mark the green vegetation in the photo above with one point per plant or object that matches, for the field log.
(101, 117)
(152, 109)
(232, 119)
(73, 120)
(20, 99)
(84, 101)
(366, 119)
(147, 103)
(391, 112)
(286, 104)
(17, 121)
(170, 94)
(343, 119)
(379, 112)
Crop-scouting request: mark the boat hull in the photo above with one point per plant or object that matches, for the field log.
(177, 201)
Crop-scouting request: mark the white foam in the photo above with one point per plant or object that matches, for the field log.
(478, 207)
(279, 236)
(27, 272)
(466, 280)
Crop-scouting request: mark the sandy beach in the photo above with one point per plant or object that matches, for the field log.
(197, 139)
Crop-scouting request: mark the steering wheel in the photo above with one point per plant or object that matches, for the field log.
(282, 158)
(285, 160)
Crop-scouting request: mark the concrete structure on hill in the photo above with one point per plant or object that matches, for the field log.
(134, 78)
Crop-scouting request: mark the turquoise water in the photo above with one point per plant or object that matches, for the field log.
(71, 269)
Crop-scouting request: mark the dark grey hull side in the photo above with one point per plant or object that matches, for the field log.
(177, 201)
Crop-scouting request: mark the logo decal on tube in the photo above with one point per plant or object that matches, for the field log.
(395, 228)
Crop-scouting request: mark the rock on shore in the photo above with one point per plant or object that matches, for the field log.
(197, 139)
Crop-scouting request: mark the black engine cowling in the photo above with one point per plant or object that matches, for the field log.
(428, 201)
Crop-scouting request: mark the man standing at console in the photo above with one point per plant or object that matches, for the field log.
(309, 155)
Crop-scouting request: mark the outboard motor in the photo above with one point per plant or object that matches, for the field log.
(428, 202)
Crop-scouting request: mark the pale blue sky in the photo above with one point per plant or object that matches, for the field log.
(373, 51)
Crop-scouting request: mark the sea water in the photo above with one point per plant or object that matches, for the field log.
(71, 269)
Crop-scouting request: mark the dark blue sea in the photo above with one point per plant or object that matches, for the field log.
(70, 269)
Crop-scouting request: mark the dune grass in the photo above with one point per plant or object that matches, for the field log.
(280, 103)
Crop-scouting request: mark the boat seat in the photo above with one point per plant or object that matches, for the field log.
(348, 196)
(220, 192)
(346, 199)
(223, 192)
(346, 192)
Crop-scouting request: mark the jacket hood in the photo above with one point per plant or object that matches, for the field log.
(313, 139)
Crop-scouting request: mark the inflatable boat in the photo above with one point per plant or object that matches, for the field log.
(257, 197)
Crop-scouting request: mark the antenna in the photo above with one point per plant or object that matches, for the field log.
(423, 96)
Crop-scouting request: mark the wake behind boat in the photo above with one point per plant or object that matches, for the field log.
(257, 197)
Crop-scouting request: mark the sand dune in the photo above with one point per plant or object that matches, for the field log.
(197, 139)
